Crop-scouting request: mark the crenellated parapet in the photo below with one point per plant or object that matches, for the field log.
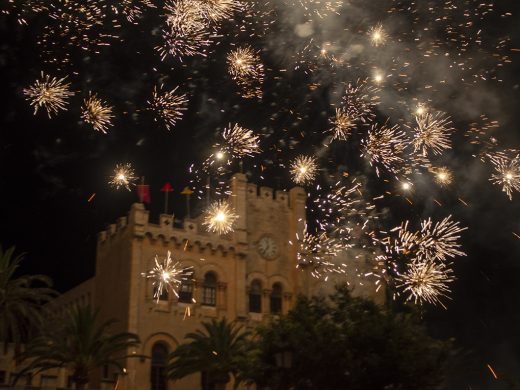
(267, 194)
(190, 237)
(245, 198)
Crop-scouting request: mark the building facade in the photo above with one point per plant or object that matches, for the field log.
(247, 275)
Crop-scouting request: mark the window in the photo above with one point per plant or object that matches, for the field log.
(255, 297)
(186, 288)
(163, 296)
(276, 298)
(158, 371)
(209, 289)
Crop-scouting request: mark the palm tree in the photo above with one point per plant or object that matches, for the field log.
(217, 351)
(21, 299)
(79, 344)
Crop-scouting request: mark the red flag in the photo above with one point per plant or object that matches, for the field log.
(143, 192)
(167, 187)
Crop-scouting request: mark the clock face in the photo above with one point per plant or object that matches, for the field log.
(267, 247)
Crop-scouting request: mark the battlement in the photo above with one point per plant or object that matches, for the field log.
(137, 224)
(261, 193)
(188, 237)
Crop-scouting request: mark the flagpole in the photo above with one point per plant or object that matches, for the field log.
(187, 193)
(167, 188)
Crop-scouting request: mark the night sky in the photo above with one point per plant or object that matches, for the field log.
(50, 168)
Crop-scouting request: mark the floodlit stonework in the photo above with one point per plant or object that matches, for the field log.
(248, 275)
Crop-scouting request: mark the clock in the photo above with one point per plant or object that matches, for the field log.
(267, 247)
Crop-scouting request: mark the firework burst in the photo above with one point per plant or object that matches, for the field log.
(440, 240)
(217, 10)
(97, 113)
(304, 169)
(167, 106)
(377, 35)
(124, 176)
(50, 93)
(186, 32)
(219, 218)
(384, 146)
(240, 142)
(343, 124)
(434, 242)
(246, 69)
(432, 133)
(167, 276)
(426, 282)
(507, 173)
(443, 176)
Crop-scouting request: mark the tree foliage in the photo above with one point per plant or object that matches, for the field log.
(217, 350)
(21, 299)
(346, 343)
(79, 343)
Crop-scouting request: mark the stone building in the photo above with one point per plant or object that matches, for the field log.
(248, 275)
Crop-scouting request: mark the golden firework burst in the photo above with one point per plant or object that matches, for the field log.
(507, 173)
(247, 70)
(384, 146)
(378, 36)
(240, 142)
(219, 218)
(167, 275)
(432, 133)
(97, 113)
(168, 106)
(426, 281)
(50, 93)
(443, 176)
(304, 169)
(343, 124)
(124, 176)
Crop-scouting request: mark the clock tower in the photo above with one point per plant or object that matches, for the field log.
(270, 222)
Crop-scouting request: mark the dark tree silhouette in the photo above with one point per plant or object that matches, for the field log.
(217, 351)
(345, 343)
(80, 344)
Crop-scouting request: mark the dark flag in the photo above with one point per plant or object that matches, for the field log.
(143, 192)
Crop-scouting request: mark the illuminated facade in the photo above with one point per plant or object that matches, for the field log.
(247, 275)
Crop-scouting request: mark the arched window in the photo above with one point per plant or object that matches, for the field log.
(209, 289)
(276, 298)
(186, 287)
(255, 297)
(159, 361)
